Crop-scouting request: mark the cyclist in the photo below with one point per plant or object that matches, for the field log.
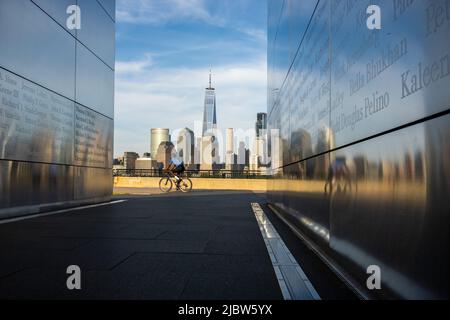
(176, 166)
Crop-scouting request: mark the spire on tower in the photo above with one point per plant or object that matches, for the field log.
(210, 87)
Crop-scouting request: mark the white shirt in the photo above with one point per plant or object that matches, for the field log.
(175, 161)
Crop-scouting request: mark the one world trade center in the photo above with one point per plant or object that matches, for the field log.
(209, 112)
(210, 147)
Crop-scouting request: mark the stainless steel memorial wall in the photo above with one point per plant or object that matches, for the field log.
(56, 104)
(364, 170)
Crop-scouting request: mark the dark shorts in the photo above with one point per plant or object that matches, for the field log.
(179, 169)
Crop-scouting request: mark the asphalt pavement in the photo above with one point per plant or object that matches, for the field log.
(200, 246)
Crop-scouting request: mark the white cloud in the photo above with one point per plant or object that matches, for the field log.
(256, 34)
(133, 67)
(156, 12)
(173, 98)
(161, 11)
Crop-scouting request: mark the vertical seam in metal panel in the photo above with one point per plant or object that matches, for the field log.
(330, 63)
(75, 168)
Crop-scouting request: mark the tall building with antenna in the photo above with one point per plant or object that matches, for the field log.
(209, 149)
(209, 111)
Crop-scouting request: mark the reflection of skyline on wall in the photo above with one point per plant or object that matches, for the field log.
(358, 162)
(56, 104)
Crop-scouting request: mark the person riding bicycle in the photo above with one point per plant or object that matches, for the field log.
(176, 166)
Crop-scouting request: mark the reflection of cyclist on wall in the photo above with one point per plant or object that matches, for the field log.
(338, 179)
(176, 167)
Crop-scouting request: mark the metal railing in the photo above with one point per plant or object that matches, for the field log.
(224, 174)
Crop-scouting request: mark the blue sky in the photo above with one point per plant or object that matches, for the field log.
(165, 49)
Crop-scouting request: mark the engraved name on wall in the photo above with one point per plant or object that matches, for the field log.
(93, 138)
(385, 78)
(41, 126)
(35, 124)
(347, 82)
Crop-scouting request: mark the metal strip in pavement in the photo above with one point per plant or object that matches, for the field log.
(293, 282)
(40, 215)
(341, 274)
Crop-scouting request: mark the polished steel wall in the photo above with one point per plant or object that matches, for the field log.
(363, 136)
(56, 104)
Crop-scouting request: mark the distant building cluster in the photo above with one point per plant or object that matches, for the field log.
(202, 152)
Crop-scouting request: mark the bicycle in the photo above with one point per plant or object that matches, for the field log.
(166, 183)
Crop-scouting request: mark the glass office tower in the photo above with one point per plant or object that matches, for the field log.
(261, 124)
(209, 146)
(209, 111)
(56, 104)
(361, 122)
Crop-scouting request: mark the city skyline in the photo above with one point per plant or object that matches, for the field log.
(235, 151)
(200, 127)
(163, 63)
(204, 128)
(248, 140)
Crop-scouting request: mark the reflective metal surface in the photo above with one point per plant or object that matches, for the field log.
(391, 208)
(26, 184)
(57, 10)
(35, 124)
(110, 7)
(301, 191)
(95, 83)
(94, 135)
(54, 151)
(92, 183)
(36, 47)
(97, 31)
(383, 200)
(381, 80)
(310, 117)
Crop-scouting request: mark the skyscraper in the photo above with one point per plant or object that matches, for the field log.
(261, 124)
(260, 143)
(209, 111)
(229, 156)
(158, 135)
(164, 153)
(209, 148)
(230, 140)
(185, 146)
(242, 154)
(198, 150)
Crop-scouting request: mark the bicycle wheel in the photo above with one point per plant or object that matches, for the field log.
(186, 185)
(165, 184)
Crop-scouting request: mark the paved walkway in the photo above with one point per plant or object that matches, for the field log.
(202, 245)
(121, 191)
